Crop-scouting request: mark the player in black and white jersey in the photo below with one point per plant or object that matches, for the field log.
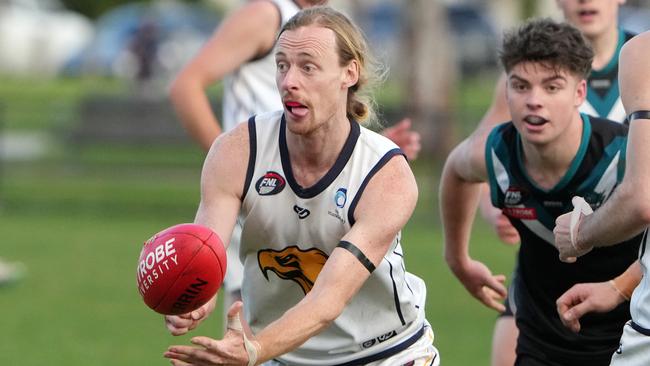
(598, 22)
(624, 215)
(534, 165)
(322, 200)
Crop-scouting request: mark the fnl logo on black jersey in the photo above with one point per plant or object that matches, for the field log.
(514, 196)
(269, 184)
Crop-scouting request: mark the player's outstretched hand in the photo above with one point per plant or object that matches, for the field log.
(237, 347)
(585, 298)
(181, 324)
(483, 285)
(407, 139)
(567, 228)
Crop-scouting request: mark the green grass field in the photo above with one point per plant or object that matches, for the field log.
(77, 219)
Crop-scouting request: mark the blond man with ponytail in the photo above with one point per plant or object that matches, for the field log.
(322, 201)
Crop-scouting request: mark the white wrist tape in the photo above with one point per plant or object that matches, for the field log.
(580, 207)
(252, 347)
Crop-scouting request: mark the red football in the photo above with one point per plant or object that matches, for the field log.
(181, 268)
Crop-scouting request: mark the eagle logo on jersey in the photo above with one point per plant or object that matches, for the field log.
(294, 264)
(269, 184)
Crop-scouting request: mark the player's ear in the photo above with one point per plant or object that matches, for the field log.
(581, 92)
(351, 74)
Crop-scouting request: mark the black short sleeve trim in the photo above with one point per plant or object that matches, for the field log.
(252, 141)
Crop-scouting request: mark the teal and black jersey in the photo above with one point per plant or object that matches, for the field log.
(603, 97)
(540, 277)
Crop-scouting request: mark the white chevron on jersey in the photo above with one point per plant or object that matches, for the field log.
(608, 180)
(616, 114)
(500, 172)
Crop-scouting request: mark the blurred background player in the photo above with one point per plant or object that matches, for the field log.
(240, 54)
(598, 22)
(10, 271)
(533, 165)
(623, 216)
(324, 277)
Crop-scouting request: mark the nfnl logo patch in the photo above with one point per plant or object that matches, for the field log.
(514, 196)
(269, 184)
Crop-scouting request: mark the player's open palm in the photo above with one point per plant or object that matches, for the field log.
(181, 324)
(232, 350)
(483, 285)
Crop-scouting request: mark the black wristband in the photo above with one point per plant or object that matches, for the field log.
(358, 254)
(642, 114)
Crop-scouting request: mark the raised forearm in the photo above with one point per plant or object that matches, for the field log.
(622, 217)
(627, 212)
(303, 321)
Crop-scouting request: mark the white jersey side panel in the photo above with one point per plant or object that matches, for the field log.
(640, 302)
(289, 233)
(251, 89)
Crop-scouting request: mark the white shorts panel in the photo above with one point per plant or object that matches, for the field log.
(634, 349)
(421, 353)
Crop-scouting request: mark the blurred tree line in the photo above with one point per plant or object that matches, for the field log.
(94, 9)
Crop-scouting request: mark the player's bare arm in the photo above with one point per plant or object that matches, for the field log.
(389, 199)
(460, 188)
(222, 182)
(496, 114)
(247, 33)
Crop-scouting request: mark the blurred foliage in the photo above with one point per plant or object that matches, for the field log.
(94, 9)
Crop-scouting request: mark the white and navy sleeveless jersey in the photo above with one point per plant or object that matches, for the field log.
(251, 89)
(603, 97)
(640, 302)
(289, 232)
(540, 276)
